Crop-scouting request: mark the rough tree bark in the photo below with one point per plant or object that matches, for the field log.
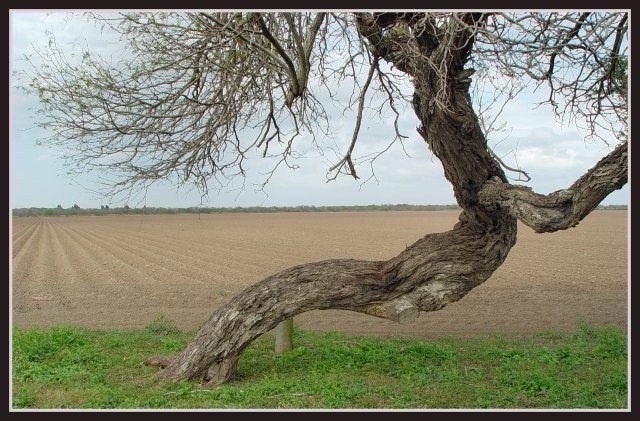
(437, 269)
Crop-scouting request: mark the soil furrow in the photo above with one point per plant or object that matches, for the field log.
(205, 252)
(21, 230)
(146, 261)
(231, 268)
(212, 237)
(32, 271)
(122, 271)
(26, 240)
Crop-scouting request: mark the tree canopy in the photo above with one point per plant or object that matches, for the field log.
(193, 94)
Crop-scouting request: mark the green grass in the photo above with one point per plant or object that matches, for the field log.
(77, 368)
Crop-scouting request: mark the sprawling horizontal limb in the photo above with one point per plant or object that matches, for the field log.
(561, 209)
(437, 269)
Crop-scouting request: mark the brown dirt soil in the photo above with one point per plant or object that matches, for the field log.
(122, 272)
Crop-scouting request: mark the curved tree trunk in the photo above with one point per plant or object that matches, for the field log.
(437, 269)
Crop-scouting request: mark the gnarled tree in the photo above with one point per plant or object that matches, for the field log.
(194, 92)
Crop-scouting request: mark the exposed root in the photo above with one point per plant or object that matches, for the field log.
(161, 361)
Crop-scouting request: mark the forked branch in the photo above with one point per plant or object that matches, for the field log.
(561, 209)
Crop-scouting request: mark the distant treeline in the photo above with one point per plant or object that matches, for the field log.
(145, 210)
(126, 210)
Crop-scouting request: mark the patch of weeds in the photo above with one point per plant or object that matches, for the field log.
(24, 398)
(172, 344)
(37, 345)
(162, 325)
(77, 368)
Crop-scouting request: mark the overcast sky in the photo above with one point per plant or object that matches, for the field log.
(553, 155)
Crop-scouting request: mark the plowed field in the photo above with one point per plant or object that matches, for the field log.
(123, 271)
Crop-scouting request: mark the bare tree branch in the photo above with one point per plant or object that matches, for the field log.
(562, 209)
(347, 158)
